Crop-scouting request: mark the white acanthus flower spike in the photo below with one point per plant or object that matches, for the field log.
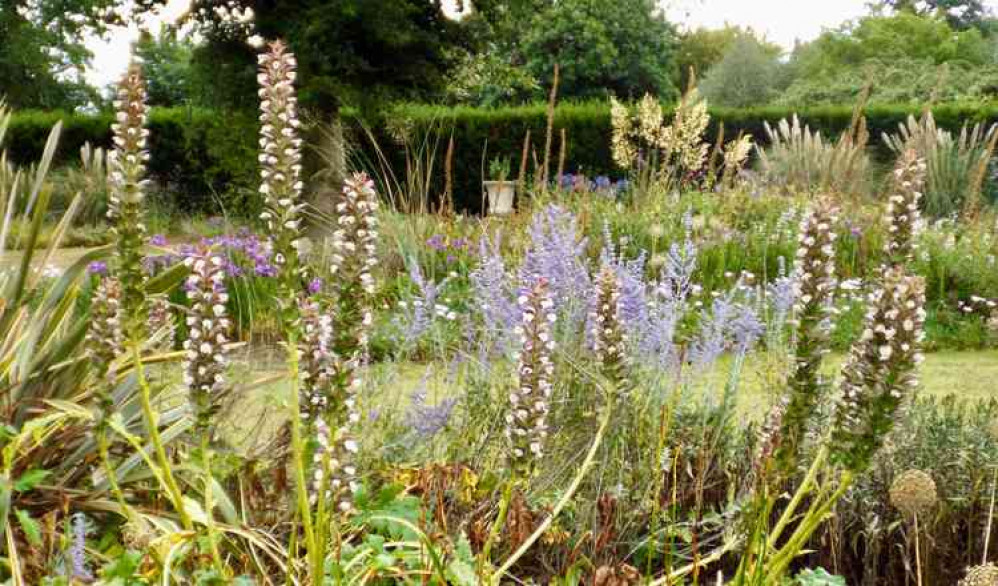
(526, 420)
(280, 161)
(209, 326)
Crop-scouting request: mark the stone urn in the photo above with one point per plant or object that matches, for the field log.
(500, 196)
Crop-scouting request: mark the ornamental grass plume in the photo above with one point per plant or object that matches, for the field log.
(814, 285)
(529, 402)
(881, 369)
(903, 218)
(126, 163)
(280, 169)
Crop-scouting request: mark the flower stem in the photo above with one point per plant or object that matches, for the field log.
(802, 491)
(152, 426)
(576, 482)
(209, 505)
(497, 525)
(112, 477)
(298, 457)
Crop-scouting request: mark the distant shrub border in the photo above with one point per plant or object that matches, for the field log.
(207, 158)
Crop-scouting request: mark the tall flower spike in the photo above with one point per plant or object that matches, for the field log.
(355, 238)
(354, 256)
(315, 356)
(527, 418)
(127, 166)
(609, 339)
(814, 288)
(903, 218)
(280, 166)
(105, 337)
(208, 327)
(881, 369)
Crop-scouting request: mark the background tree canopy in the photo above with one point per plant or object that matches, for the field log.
(368, 54)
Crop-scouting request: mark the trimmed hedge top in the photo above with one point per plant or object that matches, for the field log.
(208, 158)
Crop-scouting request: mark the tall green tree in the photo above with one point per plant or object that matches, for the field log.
(700, 49)
(42, 56)
(961, 14)
(166, 66)
(749, 74)
(623, 47)
(359, 53)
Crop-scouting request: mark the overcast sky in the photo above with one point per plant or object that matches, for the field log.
(781, 21)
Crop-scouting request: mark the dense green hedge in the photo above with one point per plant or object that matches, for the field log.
(205, 159)
(208, 157)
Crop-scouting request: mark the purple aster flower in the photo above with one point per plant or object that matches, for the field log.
(314, 286)
(436, 242)
(157, 240)
(97, 267)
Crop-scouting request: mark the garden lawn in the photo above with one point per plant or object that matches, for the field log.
(257, 415)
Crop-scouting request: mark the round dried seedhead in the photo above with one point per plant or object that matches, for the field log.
(982, 575)
(913, 492)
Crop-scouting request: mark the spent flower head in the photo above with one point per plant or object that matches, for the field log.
(913, 492)
(983, 575)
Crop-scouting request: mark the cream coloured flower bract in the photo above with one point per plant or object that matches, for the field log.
(280, 170)
(814, 285)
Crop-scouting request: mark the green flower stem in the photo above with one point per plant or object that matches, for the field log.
(813, 519)
(112, 477)
(576, 482)
(802, 491)
(497, 525)
(152, 425)
(209, 505)
(298, 457)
